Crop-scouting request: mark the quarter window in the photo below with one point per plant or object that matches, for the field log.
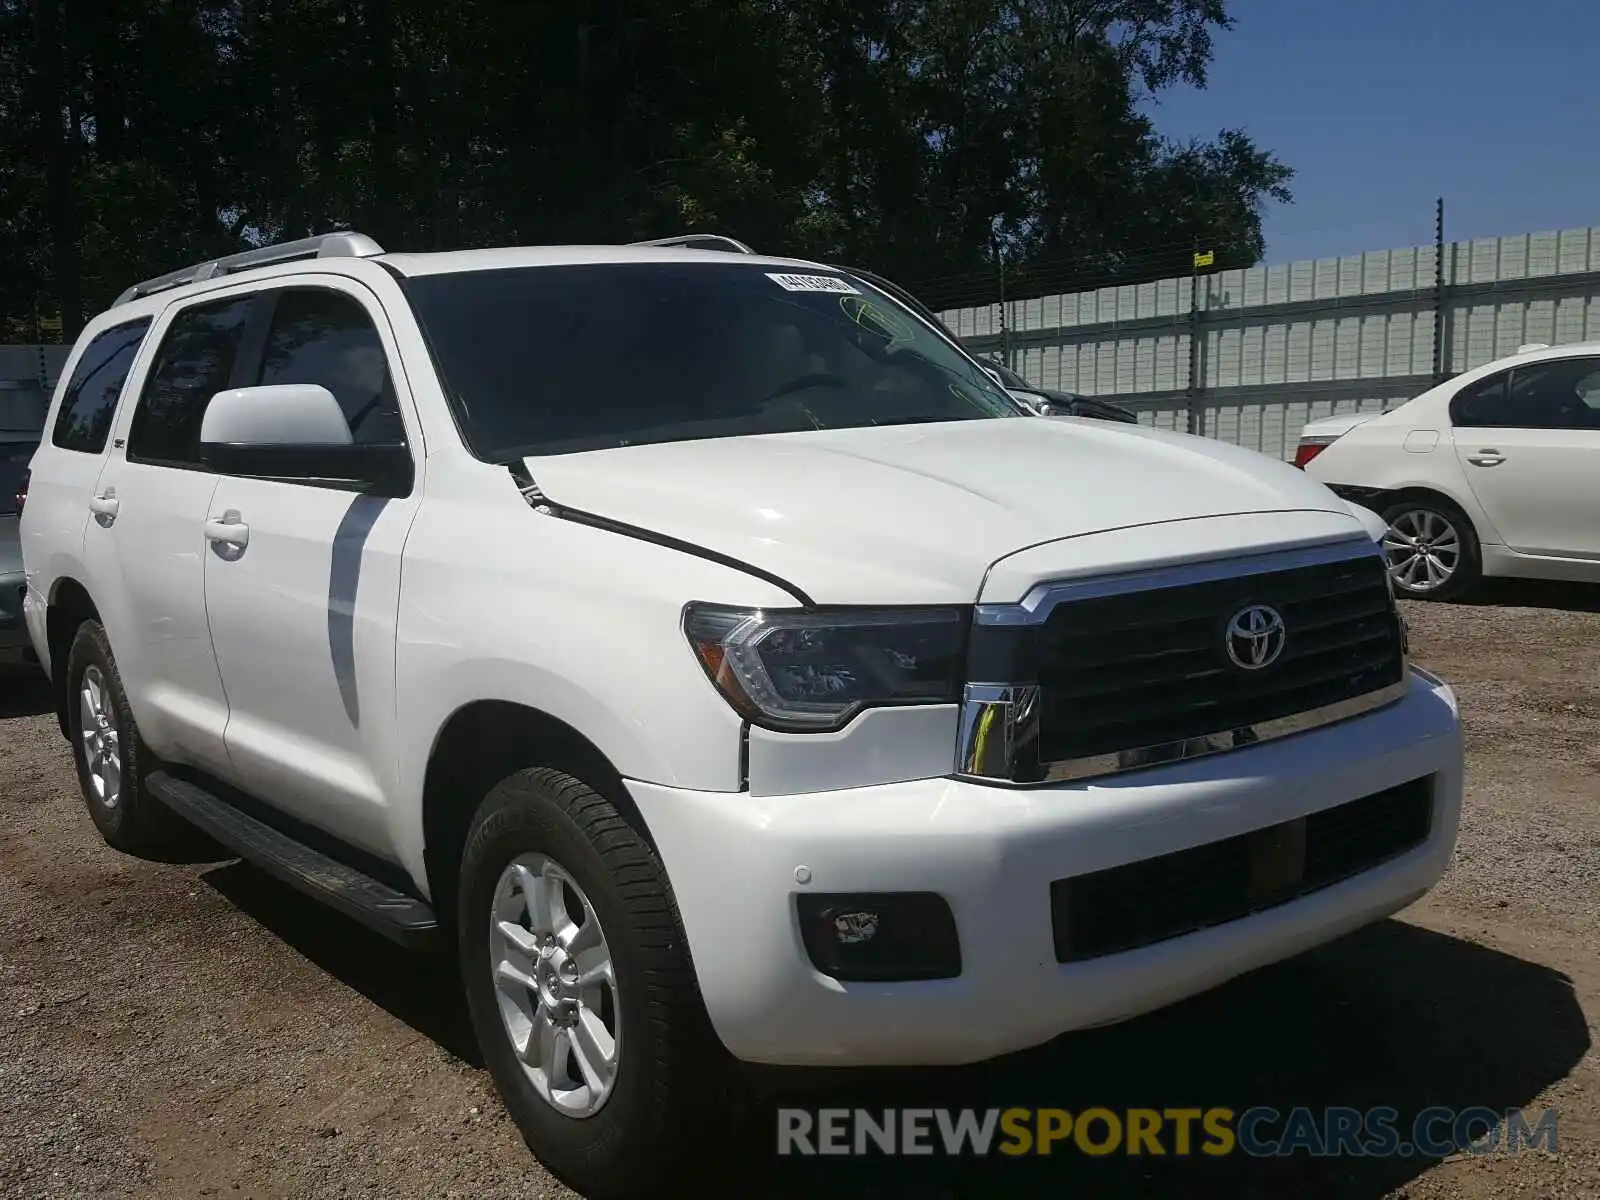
(327, 337)
(90, 401)
(195, 362)
(1481, 404)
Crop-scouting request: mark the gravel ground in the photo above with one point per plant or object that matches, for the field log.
(194, 1029)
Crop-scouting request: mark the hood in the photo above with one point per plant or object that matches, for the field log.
(916, 514)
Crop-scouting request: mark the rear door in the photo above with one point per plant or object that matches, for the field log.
(145, 546)
(72, 452)
(1528, 441)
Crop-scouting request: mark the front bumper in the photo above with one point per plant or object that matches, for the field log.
(993, 852)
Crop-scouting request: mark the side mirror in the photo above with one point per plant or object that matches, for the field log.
(297, 432)
(994, 375)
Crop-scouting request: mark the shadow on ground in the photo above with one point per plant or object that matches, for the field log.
(419, 989)
(1533, 593)
(1393, 1016)
(24, 692)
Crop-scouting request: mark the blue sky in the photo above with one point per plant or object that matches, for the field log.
(1381, 107)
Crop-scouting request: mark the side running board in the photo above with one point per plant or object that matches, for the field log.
(399, 917)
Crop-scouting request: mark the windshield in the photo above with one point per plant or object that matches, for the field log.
(551, 360)
(14, 459)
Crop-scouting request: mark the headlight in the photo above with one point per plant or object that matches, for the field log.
(815, 670)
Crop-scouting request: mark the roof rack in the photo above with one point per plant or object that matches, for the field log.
(700, 241)
(347, 244)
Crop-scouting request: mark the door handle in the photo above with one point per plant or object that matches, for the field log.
(228, 528)
(104, 506)
(1486, 458)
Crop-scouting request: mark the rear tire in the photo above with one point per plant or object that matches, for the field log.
(112, 760)
(1432, 549)
(548, 865)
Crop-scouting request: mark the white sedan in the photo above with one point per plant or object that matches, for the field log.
(1495, 472)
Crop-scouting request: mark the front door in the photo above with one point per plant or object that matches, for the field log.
(303, 587)
(1528, 441)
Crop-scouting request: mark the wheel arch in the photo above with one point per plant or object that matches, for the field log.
(1380, 498)
(68, 607)
(1389, 497)
(478, 745)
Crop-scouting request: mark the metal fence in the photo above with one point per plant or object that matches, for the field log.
(1251, 356)
(27, 377)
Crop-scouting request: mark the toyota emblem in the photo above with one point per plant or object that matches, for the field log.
(1255, 637)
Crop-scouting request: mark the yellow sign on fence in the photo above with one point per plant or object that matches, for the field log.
(1204, 258)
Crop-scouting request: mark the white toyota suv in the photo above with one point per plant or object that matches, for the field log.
(706, 648)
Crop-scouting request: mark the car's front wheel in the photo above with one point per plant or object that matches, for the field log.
(1432, 549)
(580, 987)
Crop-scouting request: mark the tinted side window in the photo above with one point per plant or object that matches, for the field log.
(1563, 393)
(195, 362)
(90, 400)
(323, 336)
(1481, 404)
(1560, 394)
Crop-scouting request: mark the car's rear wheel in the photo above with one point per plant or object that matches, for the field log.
(1432, 549)
(580, 987)
(111, 758)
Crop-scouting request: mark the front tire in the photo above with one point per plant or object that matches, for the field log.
(580, 987)
(111, 758)
(1432, 549)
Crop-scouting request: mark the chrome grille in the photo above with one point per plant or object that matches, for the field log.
(1098, 675)
(1119, 673)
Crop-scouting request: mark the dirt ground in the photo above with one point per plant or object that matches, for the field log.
(195, 1029)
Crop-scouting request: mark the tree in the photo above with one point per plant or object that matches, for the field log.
(924, 140)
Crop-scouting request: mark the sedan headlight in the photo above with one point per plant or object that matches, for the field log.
(814, 670)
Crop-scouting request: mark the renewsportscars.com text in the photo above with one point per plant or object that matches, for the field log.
(1259, 1131)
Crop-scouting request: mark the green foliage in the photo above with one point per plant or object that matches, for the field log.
(929, 141)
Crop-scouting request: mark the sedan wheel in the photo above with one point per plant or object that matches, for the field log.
(1432, 551)
(1424, 550)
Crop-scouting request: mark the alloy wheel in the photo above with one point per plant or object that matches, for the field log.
(100, 739)
(555, 985)
(1424, 549)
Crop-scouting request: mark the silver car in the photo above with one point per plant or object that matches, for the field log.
(16, 450)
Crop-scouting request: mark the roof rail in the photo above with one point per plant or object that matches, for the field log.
(700, 241)
(346, 244)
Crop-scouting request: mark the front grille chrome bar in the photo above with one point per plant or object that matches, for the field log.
(995, 719)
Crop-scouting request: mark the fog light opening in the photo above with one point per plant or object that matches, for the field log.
(881, 937)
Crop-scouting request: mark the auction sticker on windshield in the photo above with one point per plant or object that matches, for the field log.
(812, 283)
